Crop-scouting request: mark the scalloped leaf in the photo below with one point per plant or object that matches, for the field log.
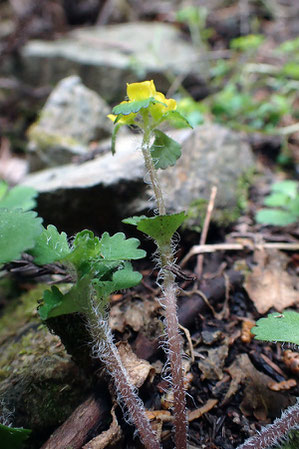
(130, 107)
(50, 246)
(19, 197)
(18, 232)
(176, 115)
(85, 247)
(278, 327)
(164, 151)
(117, 247)
(56, 303)
(122, 279)
(13, 437)
(162, 227)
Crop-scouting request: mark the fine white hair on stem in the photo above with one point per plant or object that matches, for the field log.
(277, 432)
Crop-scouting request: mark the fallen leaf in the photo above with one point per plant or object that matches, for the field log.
(258, 400)
(138, 370)
(212, 365)
(109, 437)
(195, 414)
(269, 284)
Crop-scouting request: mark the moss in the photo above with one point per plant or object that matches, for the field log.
(20, 311)
(44, 139)
(38, 380)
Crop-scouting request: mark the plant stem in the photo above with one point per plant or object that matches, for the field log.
(149, 165)
(273, 433)
(105, 349)
(169, 304)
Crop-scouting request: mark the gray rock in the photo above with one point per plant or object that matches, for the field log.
(107, 57)
(99, 193)
(72, 117)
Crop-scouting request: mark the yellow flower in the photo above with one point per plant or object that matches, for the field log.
(141, 91)
(158, 109)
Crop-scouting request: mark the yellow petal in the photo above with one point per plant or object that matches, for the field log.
(141, 91)
(112, 117)
(158, 109)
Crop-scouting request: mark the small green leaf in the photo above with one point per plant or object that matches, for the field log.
(85, 246)
(164, 151)
(275, 217)
(176, 115)
(276, 199)
(162, 227)
(134, 220)
(122, 279)
(13, 437)
(278, 327)
(56, 303)
(18, 232)
(130, 107)
(19, 197)
(117, 247)
(288, 187)
(50, 246)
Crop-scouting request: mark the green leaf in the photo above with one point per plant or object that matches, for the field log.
(85, 246)
(276, 199)
(117, 247)
(278, 327)
(176, 115)
(288, 187)
(162, 227)
(275, 217)
(56, 303)
(134, 220)
(18, 232)
(130, 107)
(19, 197)
(114, 134)
(122, 279)
(50, 246)
(164, 151)
(13, 437)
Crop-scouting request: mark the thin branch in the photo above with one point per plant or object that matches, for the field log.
(204, 233)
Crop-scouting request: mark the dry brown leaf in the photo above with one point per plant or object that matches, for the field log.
(195, 414)
(269, 284)
(109, 437)
(138, 369)
(212, 365)
(258, 399)
(134, 313)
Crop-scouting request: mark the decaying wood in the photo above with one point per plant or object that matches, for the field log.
(75, 430)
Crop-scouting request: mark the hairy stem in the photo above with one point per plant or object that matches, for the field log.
(105, 349)
(169, 303)
(274, 433)
(149, 165)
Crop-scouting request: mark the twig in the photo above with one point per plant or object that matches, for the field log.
(204, 233)
(198, 249)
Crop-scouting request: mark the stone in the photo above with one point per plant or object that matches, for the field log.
(106, 57)
(72, 117)
(99, 193)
